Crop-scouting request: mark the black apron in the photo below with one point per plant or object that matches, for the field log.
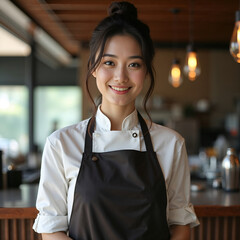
(120, 195)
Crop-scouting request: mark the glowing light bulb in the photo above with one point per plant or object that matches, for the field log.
(191, 67)
(192, 60)
(235, 40)
(175, 77)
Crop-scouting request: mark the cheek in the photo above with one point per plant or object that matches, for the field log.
(102, 74)
(102, 78)
(139, 78)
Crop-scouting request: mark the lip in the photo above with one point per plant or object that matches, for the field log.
(120, 89)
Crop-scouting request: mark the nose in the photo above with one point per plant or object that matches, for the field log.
(121, 74)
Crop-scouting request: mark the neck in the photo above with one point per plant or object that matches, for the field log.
(117, 114)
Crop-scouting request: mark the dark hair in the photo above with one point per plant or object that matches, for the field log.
(122, 20)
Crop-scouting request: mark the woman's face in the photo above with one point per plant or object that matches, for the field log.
(121, 72)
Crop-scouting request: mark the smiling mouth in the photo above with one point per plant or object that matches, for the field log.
(120, 89)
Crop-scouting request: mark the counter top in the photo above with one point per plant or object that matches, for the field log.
(22, 197)
(218, 213)
(212, 196)
(26, 196)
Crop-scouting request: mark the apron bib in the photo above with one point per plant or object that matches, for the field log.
(119, 195)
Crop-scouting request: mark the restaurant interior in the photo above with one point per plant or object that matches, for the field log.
(43, 60)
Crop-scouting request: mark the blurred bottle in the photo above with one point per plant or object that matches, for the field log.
(211, 167)
(231, 171)
(14, 177)
(221, 145)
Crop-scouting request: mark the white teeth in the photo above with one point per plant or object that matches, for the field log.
(119, 89)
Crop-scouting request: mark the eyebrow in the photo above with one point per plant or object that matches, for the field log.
(114, 56)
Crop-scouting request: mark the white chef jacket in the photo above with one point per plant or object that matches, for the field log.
(62, 157)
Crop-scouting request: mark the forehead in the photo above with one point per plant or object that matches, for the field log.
(122, 44)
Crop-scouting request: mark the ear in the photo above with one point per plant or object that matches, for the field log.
(94, 74)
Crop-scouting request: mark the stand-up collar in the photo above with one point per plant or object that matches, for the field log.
(104, 123)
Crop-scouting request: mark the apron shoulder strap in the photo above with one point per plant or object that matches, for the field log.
(88, 137)
(146, 134)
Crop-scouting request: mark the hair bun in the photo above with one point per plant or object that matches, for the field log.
(123, 8)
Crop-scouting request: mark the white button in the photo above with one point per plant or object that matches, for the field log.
(134, 135)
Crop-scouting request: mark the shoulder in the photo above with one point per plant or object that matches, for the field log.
(73, 133)
(165, 132)
(165, 139)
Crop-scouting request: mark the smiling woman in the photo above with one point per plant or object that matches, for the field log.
(116, 175)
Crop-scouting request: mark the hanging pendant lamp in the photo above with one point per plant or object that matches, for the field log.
(235, 40)
(191, 66)
(175, 76)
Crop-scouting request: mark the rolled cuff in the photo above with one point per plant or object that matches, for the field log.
(50, 224)
(183, 216)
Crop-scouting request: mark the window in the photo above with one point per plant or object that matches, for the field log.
(13, 119)
(55, 107)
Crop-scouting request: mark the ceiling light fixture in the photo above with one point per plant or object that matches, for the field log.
(235, 40)
(191, 66)
(175, 76)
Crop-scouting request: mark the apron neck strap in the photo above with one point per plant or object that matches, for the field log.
(146, 134)
(89, 134)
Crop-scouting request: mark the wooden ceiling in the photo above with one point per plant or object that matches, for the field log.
(70, 22)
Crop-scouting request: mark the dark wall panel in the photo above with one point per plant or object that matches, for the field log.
(13, 72)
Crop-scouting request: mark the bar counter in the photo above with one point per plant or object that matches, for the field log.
(218, 212)
(25, 196)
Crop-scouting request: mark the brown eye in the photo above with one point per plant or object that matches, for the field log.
(134, 65)
(109, 63)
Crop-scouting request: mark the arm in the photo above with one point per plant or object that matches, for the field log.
(180, 232)
(55, 236)
(52, 192)
(181, 211)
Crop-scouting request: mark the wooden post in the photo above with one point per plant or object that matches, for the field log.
(31, 83)
(87, 107)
